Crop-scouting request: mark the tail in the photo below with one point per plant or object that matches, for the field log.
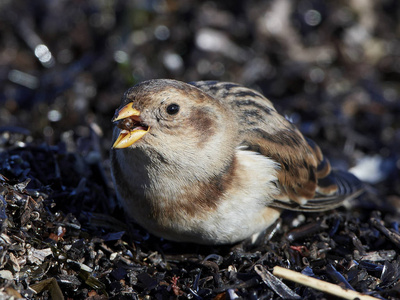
(337, 187)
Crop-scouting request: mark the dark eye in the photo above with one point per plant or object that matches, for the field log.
(172, 109)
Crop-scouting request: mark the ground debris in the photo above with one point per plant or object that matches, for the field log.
(331, 67)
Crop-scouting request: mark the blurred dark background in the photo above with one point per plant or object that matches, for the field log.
(333, 67)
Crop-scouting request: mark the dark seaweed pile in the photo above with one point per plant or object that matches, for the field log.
(331, 67)
(56, 240)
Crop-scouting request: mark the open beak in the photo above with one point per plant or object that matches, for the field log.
(130, 123)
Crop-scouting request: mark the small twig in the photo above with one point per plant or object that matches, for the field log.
(320, 285)
(275, 284)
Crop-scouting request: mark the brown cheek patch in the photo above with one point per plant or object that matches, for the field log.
(202, 124)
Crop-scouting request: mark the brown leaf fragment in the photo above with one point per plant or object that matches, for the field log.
(50, 285)
(59, 235)
(13, 293)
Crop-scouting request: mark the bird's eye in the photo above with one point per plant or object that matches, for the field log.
(172, 109)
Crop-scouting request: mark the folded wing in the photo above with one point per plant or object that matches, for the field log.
(305, 179)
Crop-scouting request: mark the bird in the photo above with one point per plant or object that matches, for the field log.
(214, 163)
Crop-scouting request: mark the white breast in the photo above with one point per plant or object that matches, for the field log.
(244, 209)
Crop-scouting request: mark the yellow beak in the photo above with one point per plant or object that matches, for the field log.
(126, 112)
(128, 135)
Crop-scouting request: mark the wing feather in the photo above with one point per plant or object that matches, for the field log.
(305, 179)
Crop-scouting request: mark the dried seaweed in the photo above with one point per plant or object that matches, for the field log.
(330, 67)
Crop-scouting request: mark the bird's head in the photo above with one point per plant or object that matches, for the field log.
(175, 118)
